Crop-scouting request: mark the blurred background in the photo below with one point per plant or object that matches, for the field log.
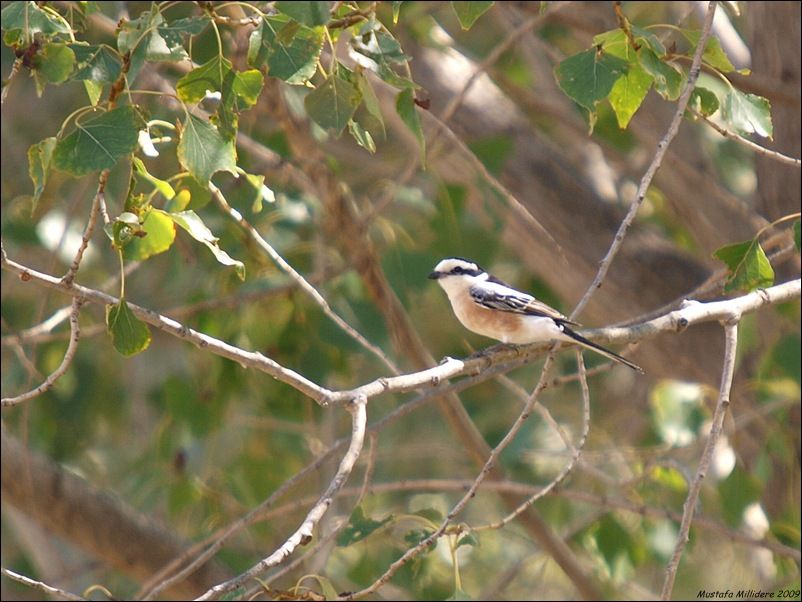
(516, 182)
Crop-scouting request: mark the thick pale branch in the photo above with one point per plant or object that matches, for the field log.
(250, 359)
(692, 313)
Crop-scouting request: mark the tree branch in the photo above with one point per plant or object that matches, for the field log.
(97, 202)
(662, 147)
(245, 358)
(300, 280)
(69, 354)
(69, 506)
(723, 404)
(754, 146)
(304, 533)
(38, 585)
(692, 313)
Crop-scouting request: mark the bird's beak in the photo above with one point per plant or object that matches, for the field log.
(436, 275)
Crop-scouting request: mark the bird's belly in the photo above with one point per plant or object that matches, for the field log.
(507, 327)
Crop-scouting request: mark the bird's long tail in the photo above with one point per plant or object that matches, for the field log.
(599, 349)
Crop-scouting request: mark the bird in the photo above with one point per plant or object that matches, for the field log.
(487, 306)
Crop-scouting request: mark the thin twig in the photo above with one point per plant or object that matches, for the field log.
(448, 112)
(304, 533)
(40, 585)
(469, 495)
(367, 479)
(576, 452)
(526, 489)
(69, 354)
(99, 199)
(761, 150)
(495, 55)
(300, 280)
(662, 147)
(722, 405)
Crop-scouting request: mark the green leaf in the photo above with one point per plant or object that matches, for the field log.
(293, 62)
(93, 91)
(613, 540)
(628, 93)
(362, 136)
(703, 101)
(216, 75)
(156, 235)
(161, 185)
(369, 97)
(55, 62)
(359, 527)
(405, 107)
(589, 76)
(669, 477)
(99, 143)
(713, 55)
(128, 334)
(29, 19)
(747, 113)
(260, 191)
(667, 79)
(614, 42)
(469, 539)
(95, 63)
(649, 40)
(749, 267)
(189, 195)
(468, 12)
(195, 227)
(174, 32)
(192, 87)
(39, 157)
(306, 13)
(179, 202)
(143, 38)
(123, 229)
(247, 85)
(396, 10)
(333, 103)
(433, 515)
(203, 151)
(380, 47)
(797, 235)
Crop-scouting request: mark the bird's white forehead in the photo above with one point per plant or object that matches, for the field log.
(448, 264)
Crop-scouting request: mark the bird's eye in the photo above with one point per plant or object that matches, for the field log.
(458, 270)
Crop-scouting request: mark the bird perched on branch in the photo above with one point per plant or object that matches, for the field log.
(487, 306)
